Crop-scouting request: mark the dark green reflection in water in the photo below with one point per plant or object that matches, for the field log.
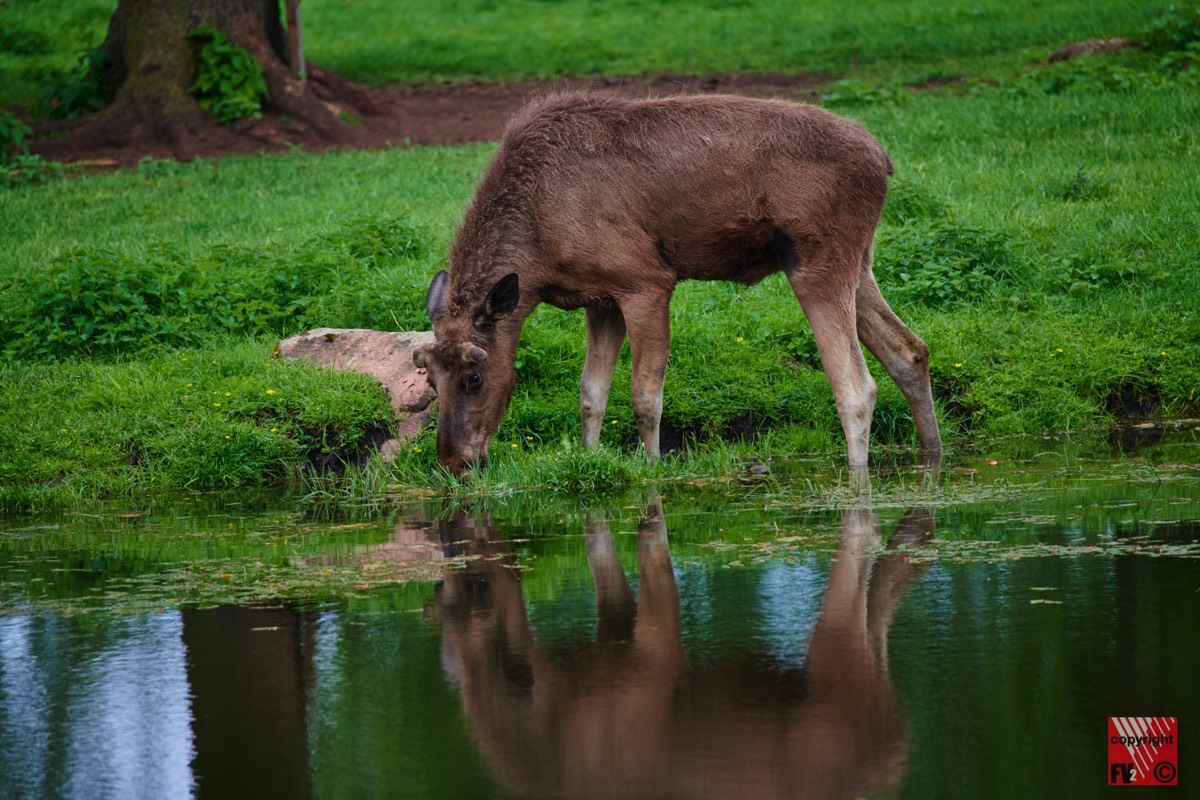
(991, 680)
(733, 645)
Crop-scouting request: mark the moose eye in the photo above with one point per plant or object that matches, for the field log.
(473, 381)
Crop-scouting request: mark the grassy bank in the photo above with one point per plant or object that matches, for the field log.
(381, 42)
(1039, 236)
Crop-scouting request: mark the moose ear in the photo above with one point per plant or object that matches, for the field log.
(501, 301)
(435, 300)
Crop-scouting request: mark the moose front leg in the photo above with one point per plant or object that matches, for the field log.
(605, 335)
(647, 317)
(657, 632)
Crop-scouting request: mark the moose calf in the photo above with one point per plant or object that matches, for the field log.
(606, 204)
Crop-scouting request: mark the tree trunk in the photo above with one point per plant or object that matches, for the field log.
(152, 65)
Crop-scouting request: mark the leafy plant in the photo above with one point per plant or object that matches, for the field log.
(27, 169)
(17, 167)
(1082, 278)
(229, 83)
(1184, 62)
(1175, 38)
(1174, 30)
(907, 202)
(851, 92)
(100, 302)
(381, 237)
(940, 264)
(1168, 52)
(13, 133)
(151, 167)
(23, 42)
(78, 93)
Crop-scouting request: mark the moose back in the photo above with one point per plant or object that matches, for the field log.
(606, 204)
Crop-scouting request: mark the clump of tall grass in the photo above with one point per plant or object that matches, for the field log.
(568, 467)
(105, 302)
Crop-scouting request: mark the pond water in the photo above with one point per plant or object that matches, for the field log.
(768, 638)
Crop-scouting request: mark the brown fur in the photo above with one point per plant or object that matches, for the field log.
(606, 204)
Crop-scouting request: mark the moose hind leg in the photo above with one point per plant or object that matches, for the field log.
(825, 289)
(605, 335)
(903, 354)
(648, 318)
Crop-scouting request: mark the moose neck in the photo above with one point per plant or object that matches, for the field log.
(508, 333)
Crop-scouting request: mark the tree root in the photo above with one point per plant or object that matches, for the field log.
(120, 125)
(311, 112)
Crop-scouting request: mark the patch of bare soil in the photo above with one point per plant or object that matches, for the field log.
(415, 114)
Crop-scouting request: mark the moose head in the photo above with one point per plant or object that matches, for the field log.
(470, 367)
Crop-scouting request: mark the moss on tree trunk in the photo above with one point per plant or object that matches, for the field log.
(149, 49)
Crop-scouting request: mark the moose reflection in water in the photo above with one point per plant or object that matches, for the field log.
(631, 715)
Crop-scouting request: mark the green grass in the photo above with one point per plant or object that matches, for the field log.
(487, 39)
(585, 37)
(263, 203)
(1038, 236)
(380, 42)
(224, 415)
(41, 44)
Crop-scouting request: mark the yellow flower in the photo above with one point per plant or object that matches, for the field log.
(740, 339)
(270, 391)
(1162, 352)
(64, 430)
(416, 449)
(1059, 350)
(529, 438)
(227, 394)
(957, 365)
(274, 429)
(227, 437)
(614, 422)
(514, 447)
(189, 386)
(216, 405)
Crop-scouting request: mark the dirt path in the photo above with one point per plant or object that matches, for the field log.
(436, 114)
